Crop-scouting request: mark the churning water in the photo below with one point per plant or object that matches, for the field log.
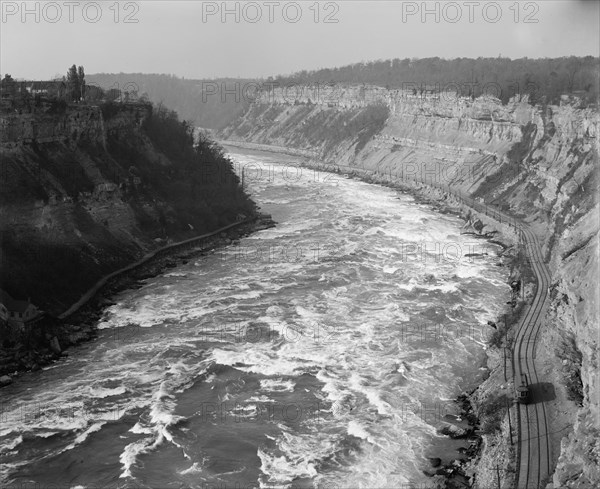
(321, 353)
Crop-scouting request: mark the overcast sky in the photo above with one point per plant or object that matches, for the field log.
(194, 39)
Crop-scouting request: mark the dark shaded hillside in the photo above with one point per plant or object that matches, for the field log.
(74, 209)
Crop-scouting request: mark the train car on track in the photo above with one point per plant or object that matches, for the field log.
(523, 390)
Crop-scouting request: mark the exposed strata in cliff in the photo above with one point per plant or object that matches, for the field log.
(86, 190)
(537, 163)
(80, 122)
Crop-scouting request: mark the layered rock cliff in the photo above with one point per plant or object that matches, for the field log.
(86, 190)
(539, 164)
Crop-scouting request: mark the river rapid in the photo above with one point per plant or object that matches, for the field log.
(324, 352)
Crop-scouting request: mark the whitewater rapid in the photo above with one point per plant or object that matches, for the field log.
(324, 352)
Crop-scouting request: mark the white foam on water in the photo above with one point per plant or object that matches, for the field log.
(178, 377)
(44, 419)
(260, 399)
(161, 418)
(301, 457)
(139, 429)
(7, 445)
(101, 392)
(277, 385)
(83, 436)
(256, 361)
(356, 429)
(372, 394)
(129, 457)
(195, 468)
(175, 274)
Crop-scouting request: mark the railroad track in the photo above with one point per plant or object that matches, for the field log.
(534, 456)
(533, 450)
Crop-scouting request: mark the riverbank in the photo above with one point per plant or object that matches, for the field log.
(483, 424)
(78, 323)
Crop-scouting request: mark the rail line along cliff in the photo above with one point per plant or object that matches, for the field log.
(537, 163)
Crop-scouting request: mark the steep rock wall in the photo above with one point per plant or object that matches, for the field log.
(83, 193)
(83, 122)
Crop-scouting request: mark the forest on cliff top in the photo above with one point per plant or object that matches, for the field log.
(544, 80)
(216, 103)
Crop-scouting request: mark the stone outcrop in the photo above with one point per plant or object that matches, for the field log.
(72, 124)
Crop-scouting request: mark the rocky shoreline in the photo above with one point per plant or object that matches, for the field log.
(464, 427)
(58, 335)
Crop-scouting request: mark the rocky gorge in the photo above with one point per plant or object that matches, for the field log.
(87, 190)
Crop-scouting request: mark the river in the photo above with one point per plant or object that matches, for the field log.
(324, 352)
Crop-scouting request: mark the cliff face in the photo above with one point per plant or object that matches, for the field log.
(539, 164)
(86, 190)
(84, 122)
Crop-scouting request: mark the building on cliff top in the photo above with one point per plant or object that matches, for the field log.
(18, 313)
(53, 88)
